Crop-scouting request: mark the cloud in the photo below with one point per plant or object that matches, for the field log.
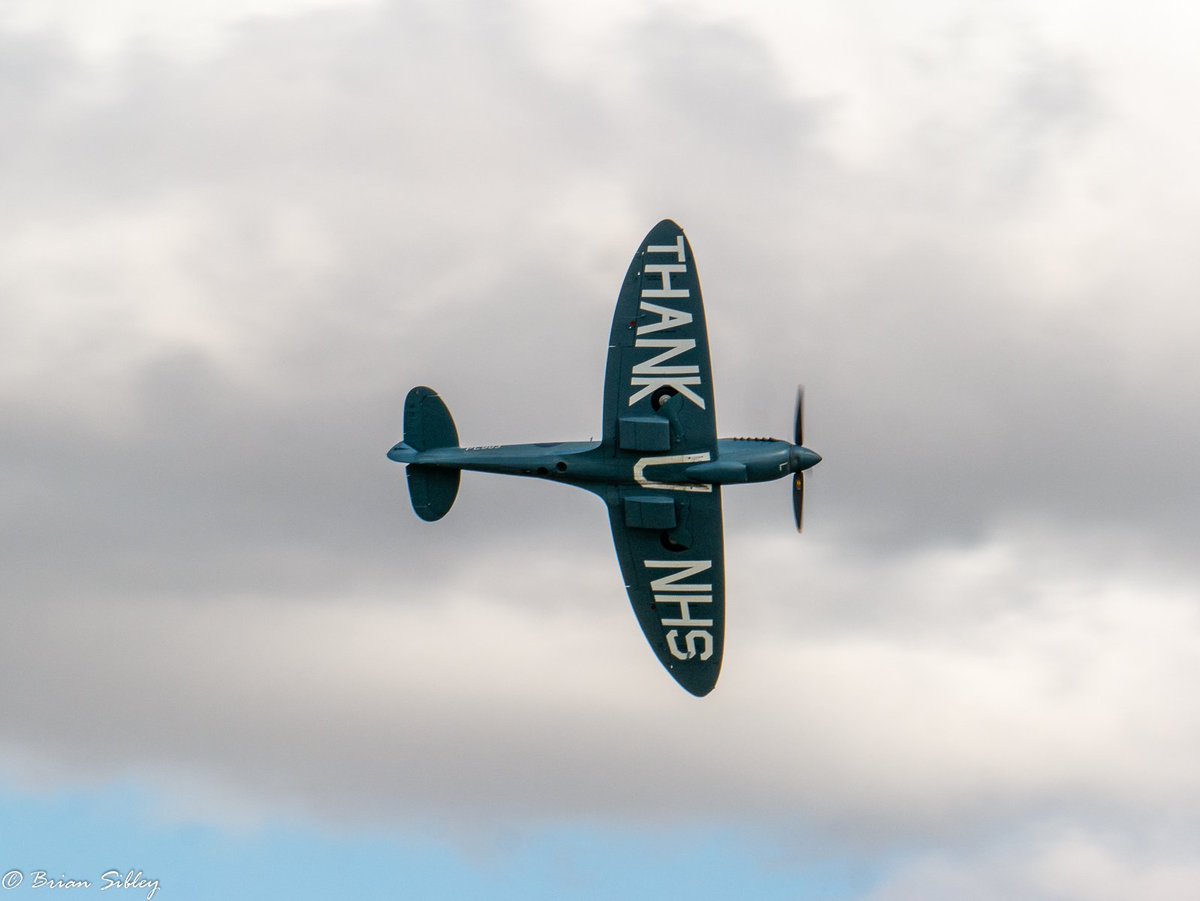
(225, 270)
(945, 704)
(1050, 863)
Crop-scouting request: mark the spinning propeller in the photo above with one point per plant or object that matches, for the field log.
(800, 459)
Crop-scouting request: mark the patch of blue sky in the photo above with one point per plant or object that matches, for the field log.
(82, 835)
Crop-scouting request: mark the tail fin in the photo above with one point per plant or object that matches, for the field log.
(428, 425)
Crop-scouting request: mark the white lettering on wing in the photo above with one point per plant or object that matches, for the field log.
(664, 271)
(649, 375)
(673, 589)
(639, 472)
(676, 248)
(674, 347)
(667, 318)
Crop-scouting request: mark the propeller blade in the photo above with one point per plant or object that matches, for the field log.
(799, 430)
(798, 500)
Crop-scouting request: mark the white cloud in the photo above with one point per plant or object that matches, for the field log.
(104, 33)
(1050, 862)
(963, 231)
(973, 699)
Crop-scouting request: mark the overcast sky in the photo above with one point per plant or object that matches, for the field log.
(231, 239)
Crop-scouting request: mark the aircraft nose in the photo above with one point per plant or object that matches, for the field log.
(803, 458)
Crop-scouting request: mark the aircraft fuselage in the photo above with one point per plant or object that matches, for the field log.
(737, 460)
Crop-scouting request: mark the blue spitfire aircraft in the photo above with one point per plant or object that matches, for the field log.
(659, 465)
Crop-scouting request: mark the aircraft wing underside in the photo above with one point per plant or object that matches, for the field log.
(657, 350)
(671, 551)
(659, 415)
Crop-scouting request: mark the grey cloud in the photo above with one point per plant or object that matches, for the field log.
(364, 200)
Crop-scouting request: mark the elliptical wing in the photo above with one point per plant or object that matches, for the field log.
(675, 577)
(658, 349)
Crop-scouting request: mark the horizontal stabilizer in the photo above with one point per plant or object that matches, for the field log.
(427, 426)
(427, 422)
(432, 489)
